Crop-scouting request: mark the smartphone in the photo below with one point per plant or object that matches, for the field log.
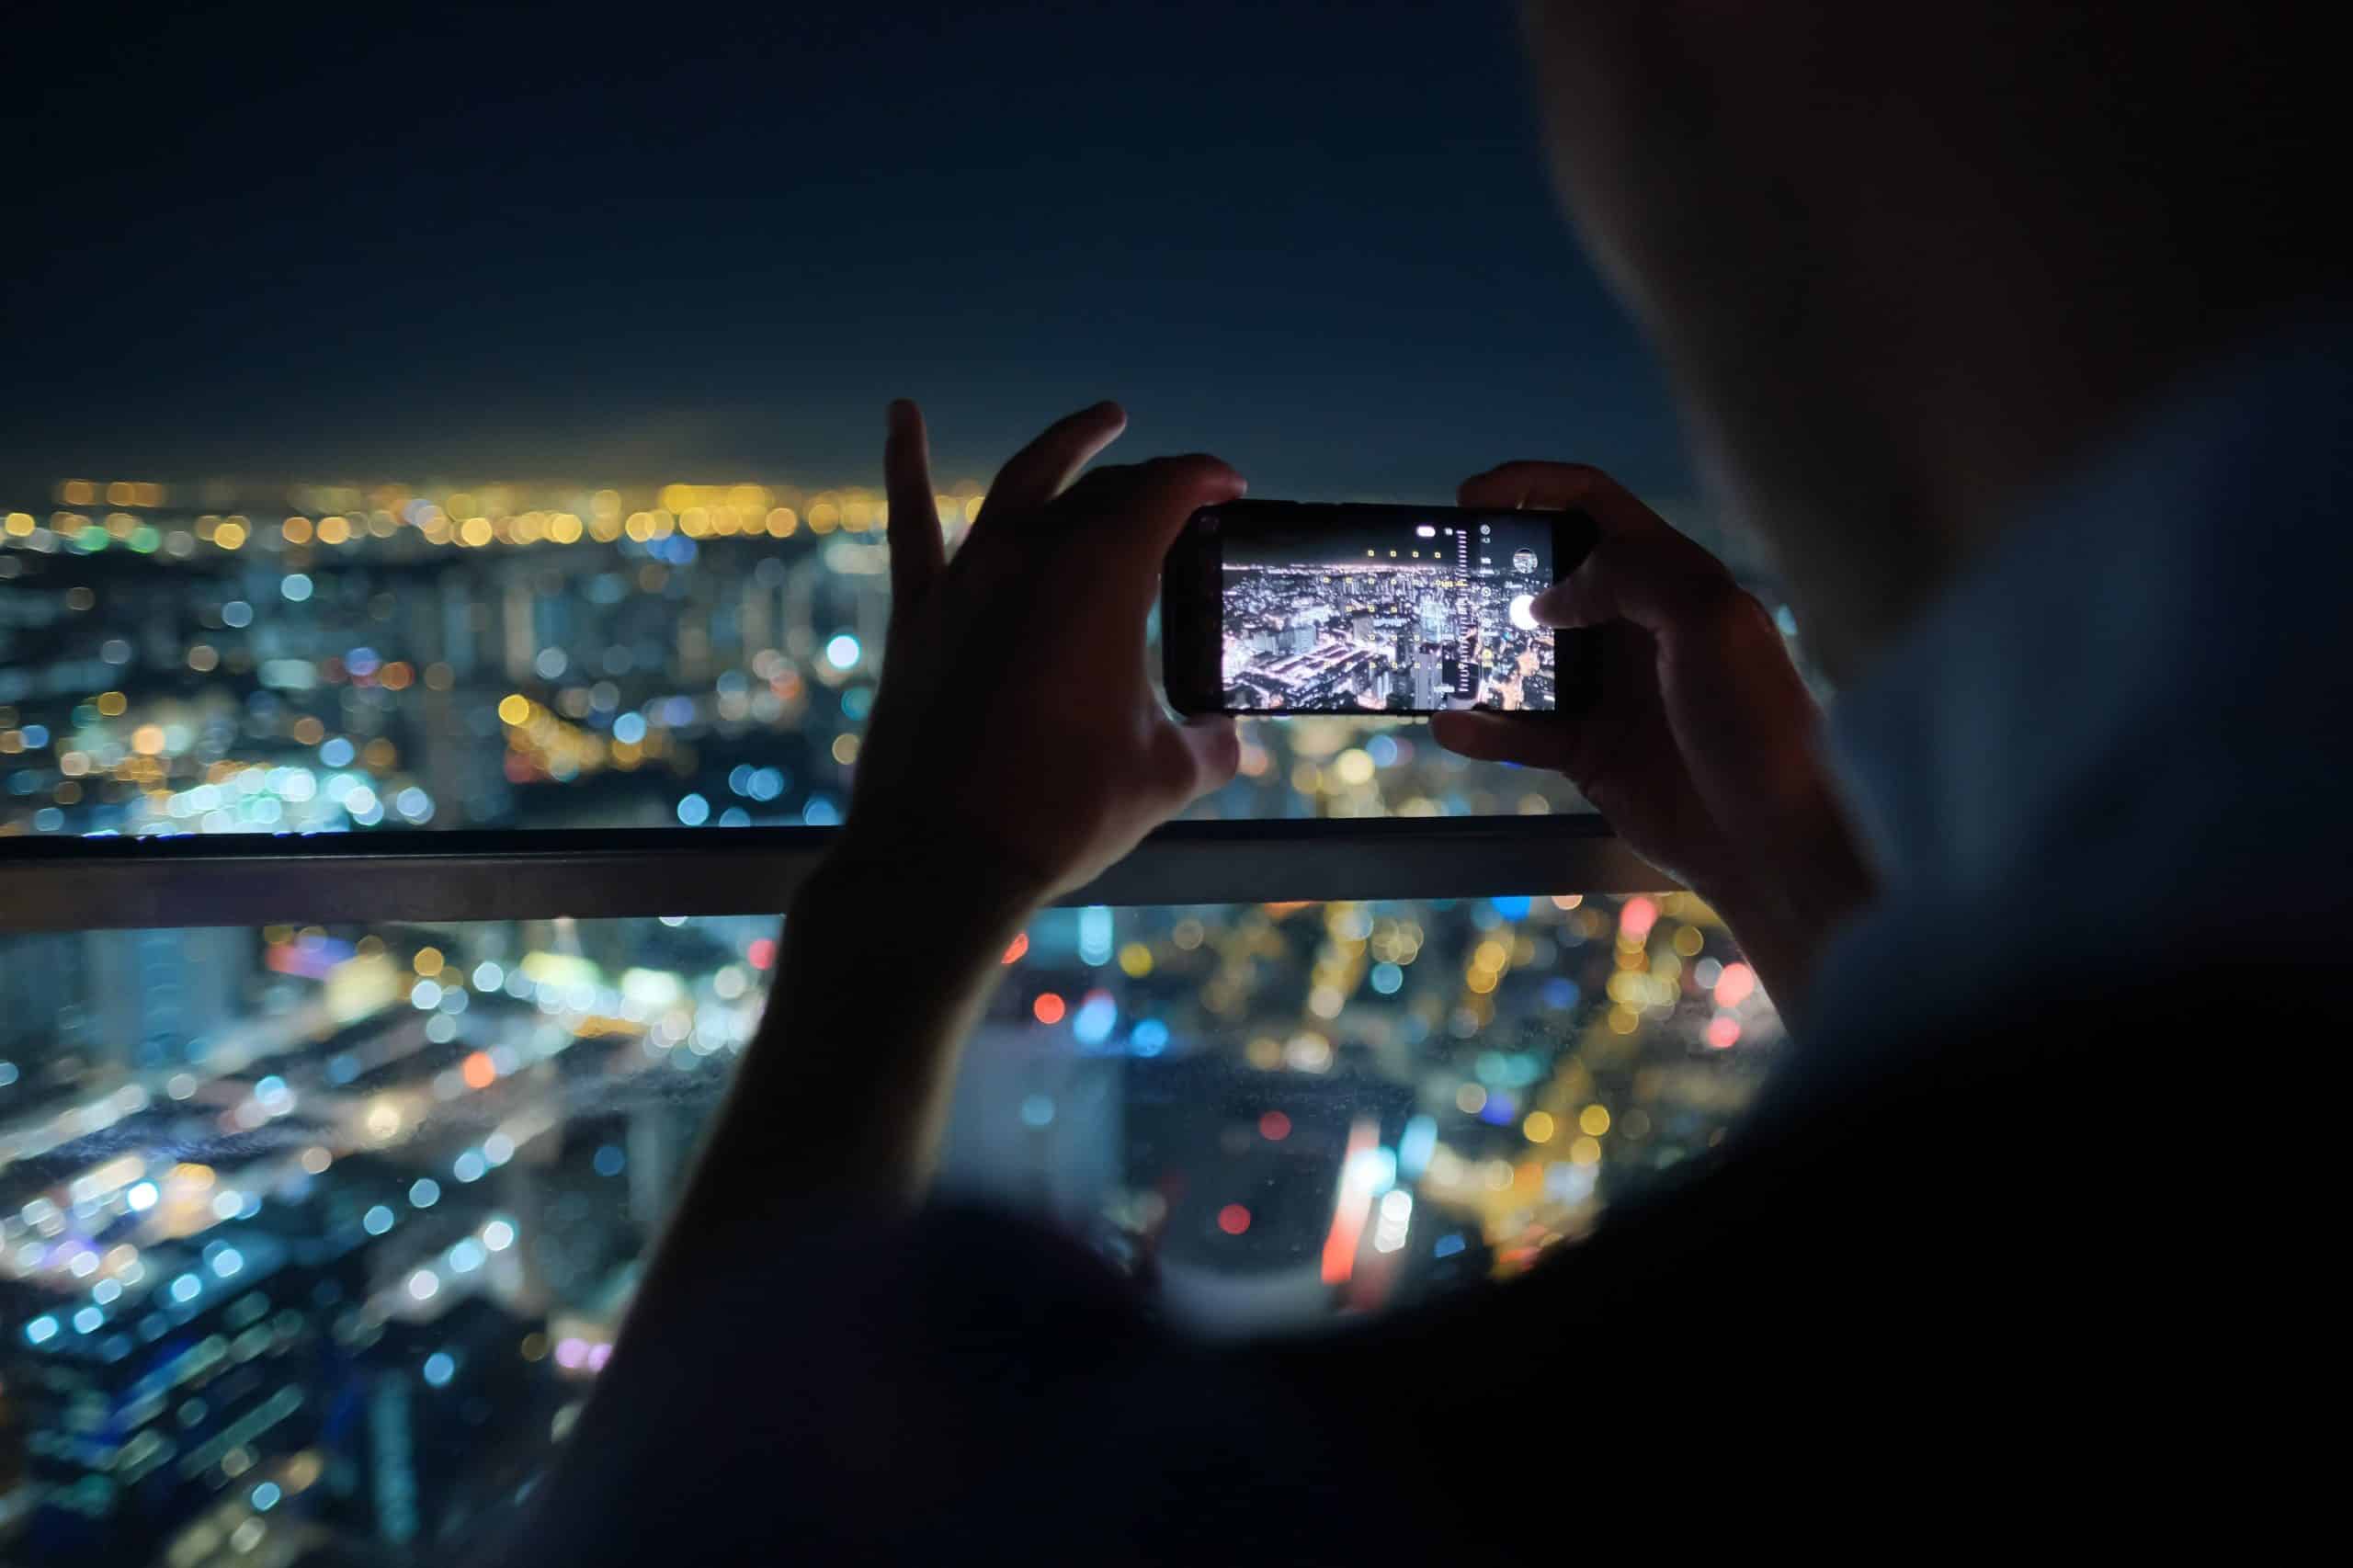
(1294, 607)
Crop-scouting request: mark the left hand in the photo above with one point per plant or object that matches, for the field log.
(1017, 739)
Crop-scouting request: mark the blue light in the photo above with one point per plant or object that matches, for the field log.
(1415, 1148)
(1383, 750)
(1097, 1015)
(414, 803)
(265, 1496)
(376, 1220)
(1561, 992)
(1500, 1109)
(41, 1330)
(439, 1367)
(735, 816)
(469, 1167)
(1387, 978)
(1448, 1245)
(338, 753)
(1512, 908)
(1037, 1110)
(857, 702)
(821, 812)
(630, 729)
(842, 650)
(423, 1192)
(1149, 1038)
(35, 737)
(227, 1263)
(295, 586)
(143, 1196)
(89, 1320)
(187, 1288)
(694, 811)
(767, 783)
(1095, 934)
(739, 779)
(609, 1160)
(237, 613)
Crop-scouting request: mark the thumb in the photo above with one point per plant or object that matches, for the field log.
(1533, 740)
(1199, 754)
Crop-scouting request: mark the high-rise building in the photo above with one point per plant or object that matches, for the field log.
(159, 995)
(42, 986)
(1428, 683)
(143, 1410)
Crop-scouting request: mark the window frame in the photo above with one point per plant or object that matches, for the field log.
(83, 884)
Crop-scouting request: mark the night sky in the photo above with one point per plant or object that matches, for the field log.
(667, 242)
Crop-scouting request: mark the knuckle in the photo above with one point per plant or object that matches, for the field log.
(1727, 615)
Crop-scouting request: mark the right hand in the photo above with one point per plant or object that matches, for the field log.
(1701, 745)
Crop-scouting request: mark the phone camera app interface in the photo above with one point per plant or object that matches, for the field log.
(1393, 614)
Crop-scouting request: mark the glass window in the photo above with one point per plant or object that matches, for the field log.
(314, 1233)
(337, 658)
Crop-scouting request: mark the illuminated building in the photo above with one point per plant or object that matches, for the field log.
(502, 1125)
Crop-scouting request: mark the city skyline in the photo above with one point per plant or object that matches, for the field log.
(317, 1235)
(1430, 615)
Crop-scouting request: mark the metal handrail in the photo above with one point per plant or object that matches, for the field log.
(65, 884)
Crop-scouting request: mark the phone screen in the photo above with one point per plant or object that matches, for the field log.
(1371, 610)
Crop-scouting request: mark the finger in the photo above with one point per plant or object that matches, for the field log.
(1038, 472)
(1144, 505)
(1562, 488)
(1545, 486)
(917, 553)
(1662, 582)
(1126, 517)
(1531, 740)
(1199, 756)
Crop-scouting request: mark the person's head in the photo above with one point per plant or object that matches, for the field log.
(1907, 262)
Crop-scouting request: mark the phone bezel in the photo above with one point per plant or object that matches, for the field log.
(1191, 610)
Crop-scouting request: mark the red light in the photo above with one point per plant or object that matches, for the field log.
(1234, 1219)
(762, 952)
(1637, 918)
(1274, 1127)
(1020, 945)
(1722, 1031)
(1735, 985)
(479, 1070)
(1049, 1008)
